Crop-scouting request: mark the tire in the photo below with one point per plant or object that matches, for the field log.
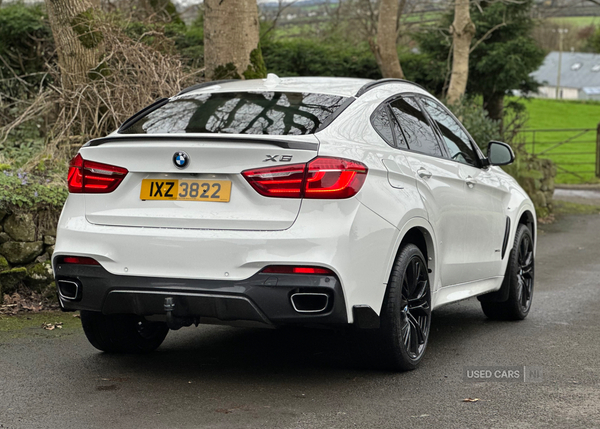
(122, 333)
(406, 312)
(519, 279)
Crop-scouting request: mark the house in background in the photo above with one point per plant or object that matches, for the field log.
(579, 76)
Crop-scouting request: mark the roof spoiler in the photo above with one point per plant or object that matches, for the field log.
(371, 85)
(204, 85)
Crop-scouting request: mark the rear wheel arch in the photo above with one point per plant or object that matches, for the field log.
(421, 236)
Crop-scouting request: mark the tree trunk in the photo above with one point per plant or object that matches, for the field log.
(494, 105)
(462, 31)
(231, 36)
(79, 44)
(385, 50)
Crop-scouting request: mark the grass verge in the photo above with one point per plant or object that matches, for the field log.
(562, 208)
(30, 325)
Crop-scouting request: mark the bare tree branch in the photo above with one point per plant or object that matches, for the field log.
(280, 8)
(486, 36)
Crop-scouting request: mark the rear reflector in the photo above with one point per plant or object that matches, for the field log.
(93, 177)
(322, 178)
(78, 260)
(288, 269)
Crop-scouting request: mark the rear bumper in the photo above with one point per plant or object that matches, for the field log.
(262, 298)
(341, 235)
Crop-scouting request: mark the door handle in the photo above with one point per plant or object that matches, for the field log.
(425, 174)
(470, 182)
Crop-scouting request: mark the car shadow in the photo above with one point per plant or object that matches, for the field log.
(249, 355)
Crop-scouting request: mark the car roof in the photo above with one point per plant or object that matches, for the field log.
(342, 86)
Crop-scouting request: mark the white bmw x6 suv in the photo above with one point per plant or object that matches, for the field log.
(303, 201)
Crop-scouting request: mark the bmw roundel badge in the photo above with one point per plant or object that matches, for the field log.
(181, 159)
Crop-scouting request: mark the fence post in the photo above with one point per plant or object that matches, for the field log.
(598, 151)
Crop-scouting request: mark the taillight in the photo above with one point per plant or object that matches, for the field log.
(323, 178)
(283, 182)
(290, 269)
(78, 260)
(334, 178)
(93, 177)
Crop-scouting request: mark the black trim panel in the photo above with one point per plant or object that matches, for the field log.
(263, 298)
(365, 317)
(371, 85)
(209, 305)
(506, 235)
(204, 85)
(335, 114)
(286, 144)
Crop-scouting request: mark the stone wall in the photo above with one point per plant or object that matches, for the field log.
(26, 245)
(536, 177)
(540, 186)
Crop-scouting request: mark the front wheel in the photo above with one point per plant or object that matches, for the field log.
(406, 311)
(122, 333)
(519, 280)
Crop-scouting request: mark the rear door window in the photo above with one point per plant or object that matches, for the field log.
(271, 113)
(416, 132)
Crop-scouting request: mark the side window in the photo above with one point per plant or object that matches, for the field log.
(384, 124)
(456, 140)
(381, 122)
(418, 134)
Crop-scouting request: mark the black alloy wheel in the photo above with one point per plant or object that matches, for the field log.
(406, 313)
(519, 280)
(525, 273)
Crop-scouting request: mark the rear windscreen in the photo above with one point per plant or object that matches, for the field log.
(272, 113)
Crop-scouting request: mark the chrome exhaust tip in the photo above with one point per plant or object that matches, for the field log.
(309, 302)
(69, 290)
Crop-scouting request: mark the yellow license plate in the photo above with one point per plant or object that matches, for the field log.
(186, 190)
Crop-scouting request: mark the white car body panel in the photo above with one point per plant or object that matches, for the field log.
(247, 209)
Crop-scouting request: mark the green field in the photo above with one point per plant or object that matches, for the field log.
(565, 132)
(577, 21)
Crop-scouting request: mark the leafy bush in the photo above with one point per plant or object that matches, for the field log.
(307, 57)
(26, 45)
(592, 44)
(38, 188)
(189, 41)
(22, 145)
(482, 128)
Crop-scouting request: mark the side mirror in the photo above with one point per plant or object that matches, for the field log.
(499, 153)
